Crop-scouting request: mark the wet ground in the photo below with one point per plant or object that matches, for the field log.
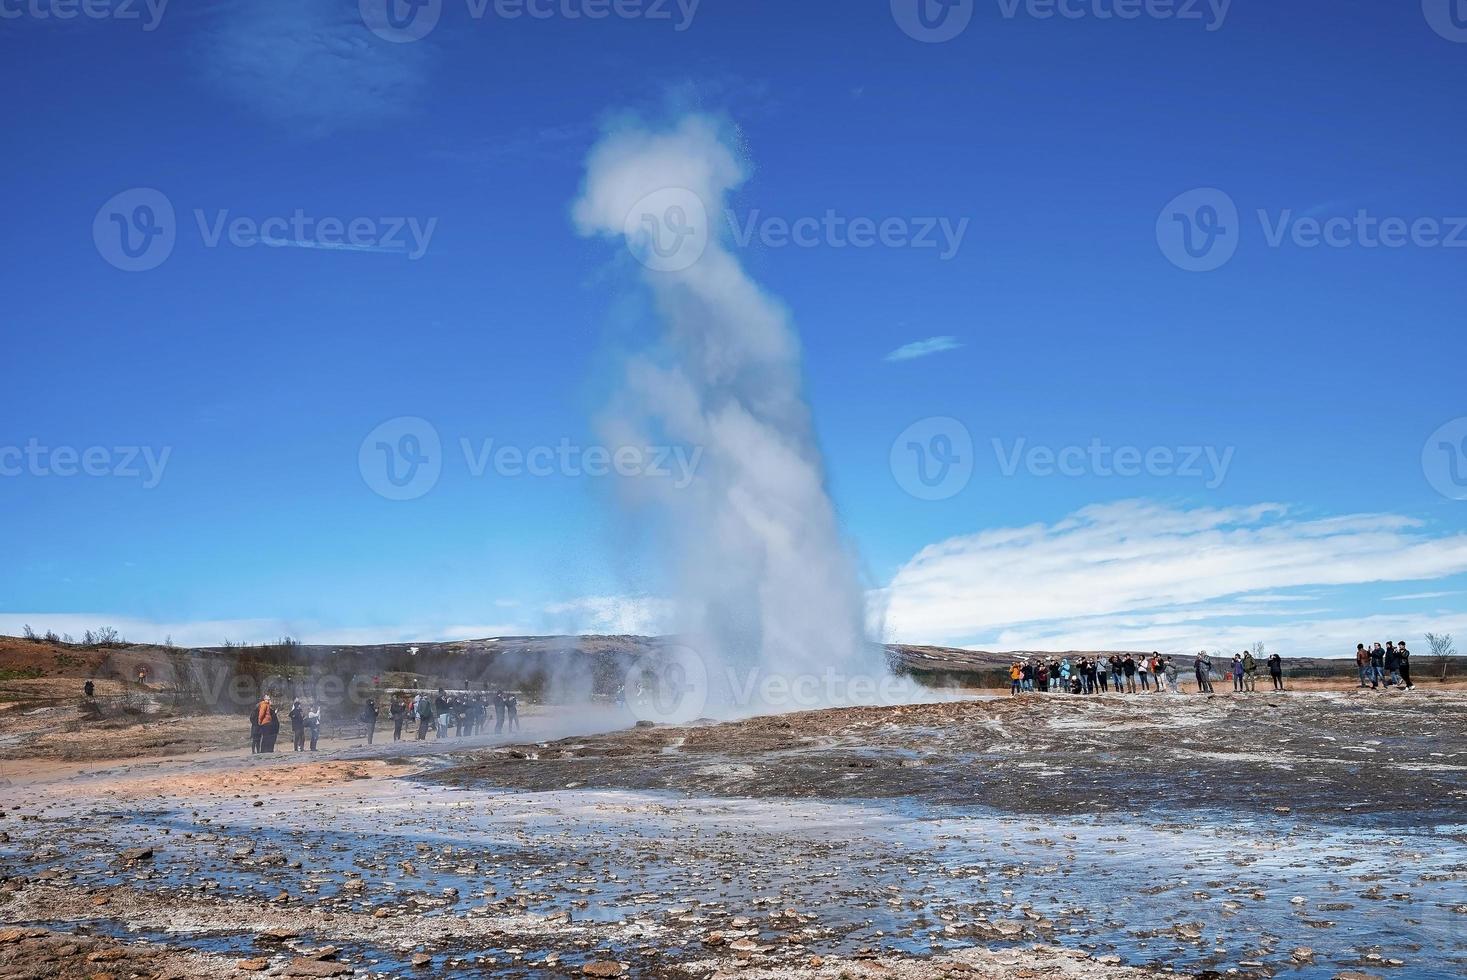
(1307, 836)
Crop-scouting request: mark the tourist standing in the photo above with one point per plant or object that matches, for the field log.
(1403, 664)
(397, 711)
(1377, 666)
(297, 726)
(442, 709)
(1276, 671)
(269, 724)
(369, 718)
(1202, 668)
(1237, 672)
(1362, 663)
(313, 723)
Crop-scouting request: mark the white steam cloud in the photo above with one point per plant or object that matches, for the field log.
(764, 579)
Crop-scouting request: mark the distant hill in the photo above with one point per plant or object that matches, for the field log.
(556, 667)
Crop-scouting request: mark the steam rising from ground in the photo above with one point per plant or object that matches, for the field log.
(765, 580)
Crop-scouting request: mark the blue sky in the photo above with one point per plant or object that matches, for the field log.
(1057, 319)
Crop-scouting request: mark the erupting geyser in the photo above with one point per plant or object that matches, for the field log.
(765, 580)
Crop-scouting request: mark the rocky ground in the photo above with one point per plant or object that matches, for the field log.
(1310, 835)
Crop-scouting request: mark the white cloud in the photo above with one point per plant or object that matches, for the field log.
(923, 348)
(310, 64)
(1142, 574)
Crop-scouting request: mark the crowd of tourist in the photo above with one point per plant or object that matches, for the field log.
(446, 715)
(1389, 667)
(1126, 673)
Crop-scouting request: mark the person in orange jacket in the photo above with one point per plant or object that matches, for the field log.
(269, 724)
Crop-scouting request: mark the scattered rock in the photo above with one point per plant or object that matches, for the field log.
(303, 966)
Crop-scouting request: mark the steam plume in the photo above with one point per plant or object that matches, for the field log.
(764, 577)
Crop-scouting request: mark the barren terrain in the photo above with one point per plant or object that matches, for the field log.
(1308, 835)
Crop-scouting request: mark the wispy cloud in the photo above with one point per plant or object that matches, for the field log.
(1419, 595)
(1147, 574)
(330, 246)
(923, 348)
(310, 64)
